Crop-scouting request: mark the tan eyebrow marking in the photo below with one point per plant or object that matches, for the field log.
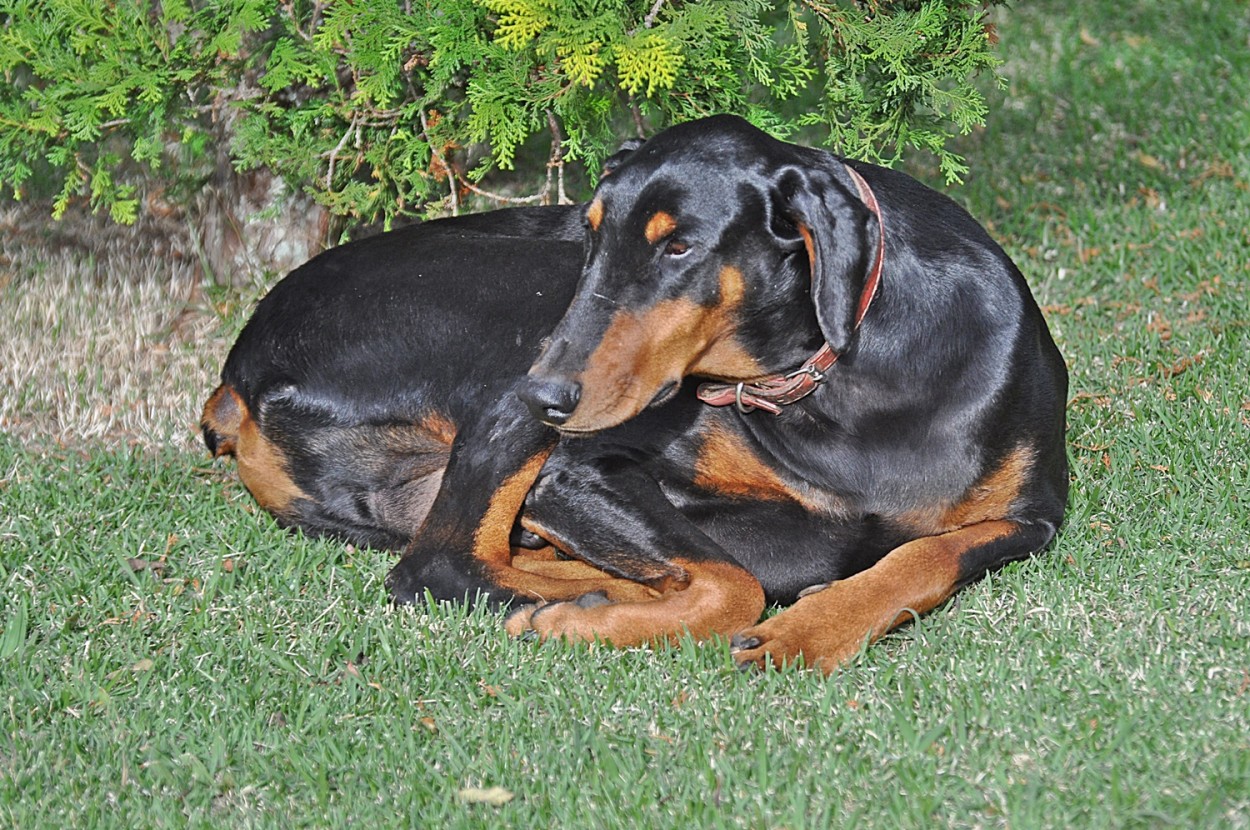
(594, 214)
(659, 226)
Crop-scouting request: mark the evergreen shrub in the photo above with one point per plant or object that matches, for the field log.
(386, 108)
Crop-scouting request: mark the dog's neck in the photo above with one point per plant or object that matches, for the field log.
(775, 392)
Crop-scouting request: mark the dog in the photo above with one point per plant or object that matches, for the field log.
(746, 373)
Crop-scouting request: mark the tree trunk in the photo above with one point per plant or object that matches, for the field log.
(249, 224)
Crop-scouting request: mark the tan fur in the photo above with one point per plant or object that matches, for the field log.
(264, 470)
(490, 542)
(642, 351)
(992, 497)
(553, 580)
(263, 467)
(594, 214)
(726, 465)
(828, 627)
(222, 416)
(660, 225)
(719, 599)
(438, 427)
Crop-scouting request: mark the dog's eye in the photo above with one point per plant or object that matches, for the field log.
(675, 248)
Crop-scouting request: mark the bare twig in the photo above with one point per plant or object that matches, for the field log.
(499, 197)
(639, 126)
(555, 169)
(452, 178)
(314, 19)
(649, 20)
(334, 154)
(453, 190)
(556, 160)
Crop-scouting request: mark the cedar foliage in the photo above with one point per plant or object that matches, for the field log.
(383, 108)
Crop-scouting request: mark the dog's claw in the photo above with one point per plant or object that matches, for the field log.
(592, 600)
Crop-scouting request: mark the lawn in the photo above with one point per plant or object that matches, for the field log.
(170, 658)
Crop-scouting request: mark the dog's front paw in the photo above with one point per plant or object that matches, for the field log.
(819, 631)
(404, 583)
(769, 644)
(534, 620)
(517, 623)
(415, 576)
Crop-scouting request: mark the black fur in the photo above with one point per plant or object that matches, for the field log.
(951, 372)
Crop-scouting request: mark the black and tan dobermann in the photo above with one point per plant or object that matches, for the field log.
(746, 373)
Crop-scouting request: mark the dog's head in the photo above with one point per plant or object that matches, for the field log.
(712, 250)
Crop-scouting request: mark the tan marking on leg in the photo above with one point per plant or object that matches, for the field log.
(527, 577)
(992, 497)
(654, 574)
(490, 540)
(719, 599)
(548, 578)
(995, 495)
(556, 580)
(828, 628)
(547, 553)
(660, 225)
(265, 470)
(222, 415)
(439, 427)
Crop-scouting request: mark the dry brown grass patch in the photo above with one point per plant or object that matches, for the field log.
(108, 340)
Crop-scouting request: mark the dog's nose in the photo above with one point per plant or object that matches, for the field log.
(551, 400)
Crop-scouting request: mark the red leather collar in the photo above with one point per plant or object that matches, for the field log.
(775, 391)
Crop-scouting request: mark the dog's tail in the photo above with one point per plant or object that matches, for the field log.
(223, 416)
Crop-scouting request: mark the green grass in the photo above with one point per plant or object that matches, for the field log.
(1105, 684)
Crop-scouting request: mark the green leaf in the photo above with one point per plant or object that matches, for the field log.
(648, 61)
(520, 21)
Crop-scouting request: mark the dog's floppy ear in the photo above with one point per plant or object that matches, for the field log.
(835, 228)
(614, 161)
